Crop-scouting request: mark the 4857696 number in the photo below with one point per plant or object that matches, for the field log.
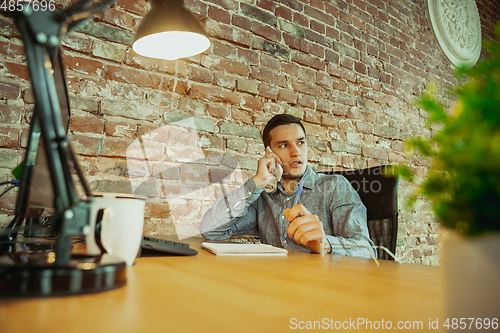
(471, 323)
(36, 5)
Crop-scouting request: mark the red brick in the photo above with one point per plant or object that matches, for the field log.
(364, 128)
(332, 56)
(358, 23)
(134, 76)
(117, 147)
(135, 6)
(220, 30)
(345, 17)
(398, 158)
(86, 145)
(332, 33)
(120, 19)
(332, 10)
(213, 94)
(120, 129)
(9, 137)
(312, 117)
(323, 79)
(291, 41)
(342, 73)
(252, 102)
(219, 14)
(86, 124)
(242, 115)
(242, 22)
(319, 15)
(304, 45)
(323, 105)
(249, 57)
(328, 120)
(79, 86)
(266, 4)
(290, 68)
(199, 74)
(287, 96)
(218, 111)
(85, 65)
(306, 101)
(157, 210)
(266, 31)
(360, 67)
(300, 19)
(77, 43)
(338, 84)
(13, 70)
(360, 4)
(307, 74)
(10, 114)
(269, 76)
(233, 67)
(307, 60)
(348, 162)
(270, 62)
(138, 61)
(376, 153)
(346, 62)
(180, 87)
(9, 91)
(284, 12)
(268, 91)
(317, 50)
(318, 27)
(222, 49)
(11, 50)
(224, 80)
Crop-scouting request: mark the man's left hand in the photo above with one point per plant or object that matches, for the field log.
(305, 227)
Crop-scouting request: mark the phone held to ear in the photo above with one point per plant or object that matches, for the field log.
(278, 170)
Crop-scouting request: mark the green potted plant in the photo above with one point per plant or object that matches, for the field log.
(463, 184)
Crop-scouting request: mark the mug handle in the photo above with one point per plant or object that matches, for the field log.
(98, 229)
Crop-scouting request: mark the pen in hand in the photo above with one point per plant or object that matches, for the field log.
(295, 202)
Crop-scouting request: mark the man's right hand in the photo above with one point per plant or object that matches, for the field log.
(265, 169)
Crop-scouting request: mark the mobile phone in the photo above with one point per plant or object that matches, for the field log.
(278, 171)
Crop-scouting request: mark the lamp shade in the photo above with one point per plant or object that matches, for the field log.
(169, 31)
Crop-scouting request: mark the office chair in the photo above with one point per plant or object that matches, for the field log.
(378, 189)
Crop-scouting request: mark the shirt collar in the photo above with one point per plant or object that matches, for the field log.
(309, 178)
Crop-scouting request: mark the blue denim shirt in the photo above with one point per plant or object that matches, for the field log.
(250, 210)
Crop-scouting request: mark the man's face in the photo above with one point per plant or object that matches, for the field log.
(289, 143)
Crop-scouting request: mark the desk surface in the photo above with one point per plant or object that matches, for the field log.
(207, 293)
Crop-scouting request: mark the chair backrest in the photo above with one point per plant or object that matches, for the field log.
(378, 189)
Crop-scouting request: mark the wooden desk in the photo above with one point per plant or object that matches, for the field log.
(206, 293)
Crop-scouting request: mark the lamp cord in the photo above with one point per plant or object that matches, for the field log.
(14, 183)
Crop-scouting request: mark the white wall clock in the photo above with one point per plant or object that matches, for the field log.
(457, 28)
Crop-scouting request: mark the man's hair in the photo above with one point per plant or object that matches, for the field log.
(278, 120)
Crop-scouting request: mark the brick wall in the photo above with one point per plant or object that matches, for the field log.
(348, 68)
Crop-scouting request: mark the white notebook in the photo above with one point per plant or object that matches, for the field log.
(231, 249)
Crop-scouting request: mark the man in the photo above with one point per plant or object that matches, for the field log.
(329, 210)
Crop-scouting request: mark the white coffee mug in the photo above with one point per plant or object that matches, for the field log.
(116, 225)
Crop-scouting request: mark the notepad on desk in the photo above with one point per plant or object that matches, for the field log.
(234, 249)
